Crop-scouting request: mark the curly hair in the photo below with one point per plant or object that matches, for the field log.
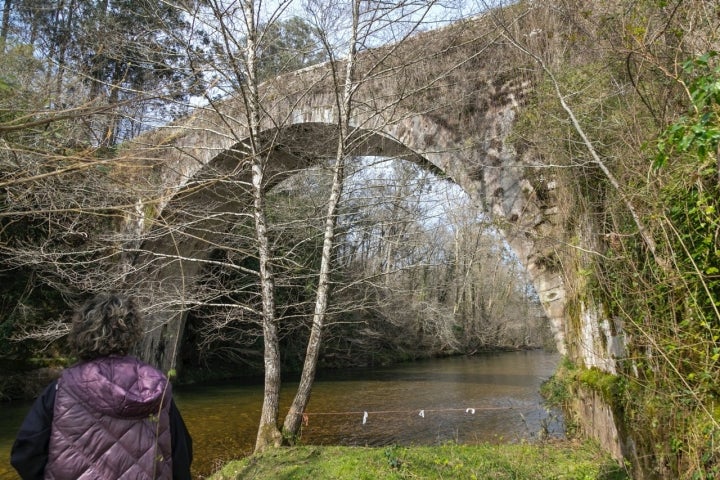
(106, 324)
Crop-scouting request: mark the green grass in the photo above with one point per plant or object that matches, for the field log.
(548, 461)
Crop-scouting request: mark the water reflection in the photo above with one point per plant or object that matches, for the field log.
(501, 388)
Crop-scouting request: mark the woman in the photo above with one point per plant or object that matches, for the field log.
(110, 416)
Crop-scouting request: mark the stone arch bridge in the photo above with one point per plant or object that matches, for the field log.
(446, 100)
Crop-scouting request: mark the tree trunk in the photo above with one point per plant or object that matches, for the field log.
(268, 431)
(111, 127)
(717, 161)
(291, 427)
(5, 27)
(293, 420)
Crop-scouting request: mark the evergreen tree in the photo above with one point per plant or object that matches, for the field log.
(131, 57)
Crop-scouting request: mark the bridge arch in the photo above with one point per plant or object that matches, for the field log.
(211, 187)
(445, 99)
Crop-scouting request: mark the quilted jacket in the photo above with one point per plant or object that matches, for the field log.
(111, 421)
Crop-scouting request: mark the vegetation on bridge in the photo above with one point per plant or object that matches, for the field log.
(643, 83)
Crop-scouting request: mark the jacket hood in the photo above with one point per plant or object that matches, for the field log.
(122, 387)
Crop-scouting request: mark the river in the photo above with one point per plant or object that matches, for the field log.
(484, 398)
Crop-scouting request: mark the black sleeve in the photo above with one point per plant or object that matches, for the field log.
(182, 453)
(30, 450)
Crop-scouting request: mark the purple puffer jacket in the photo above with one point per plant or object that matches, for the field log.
(111, 421)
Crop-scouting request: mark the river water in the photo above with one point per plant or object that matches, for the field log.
(484, 398)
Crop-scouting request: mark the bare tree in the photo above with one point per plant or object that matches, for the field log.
(241, 48)
(367, 19)
(344, 87)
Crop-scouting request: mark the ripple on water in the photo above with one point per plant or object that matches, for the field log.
(503, 389)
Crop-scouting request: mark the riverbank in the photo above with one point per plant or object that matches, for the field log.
(560, 460)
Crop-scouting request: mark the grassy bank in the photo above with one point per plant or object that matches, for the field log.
(548, 461)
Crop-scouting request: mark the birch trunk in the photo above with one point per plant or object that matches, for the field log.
(5, 27)
(268, 433)
(293, 420)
